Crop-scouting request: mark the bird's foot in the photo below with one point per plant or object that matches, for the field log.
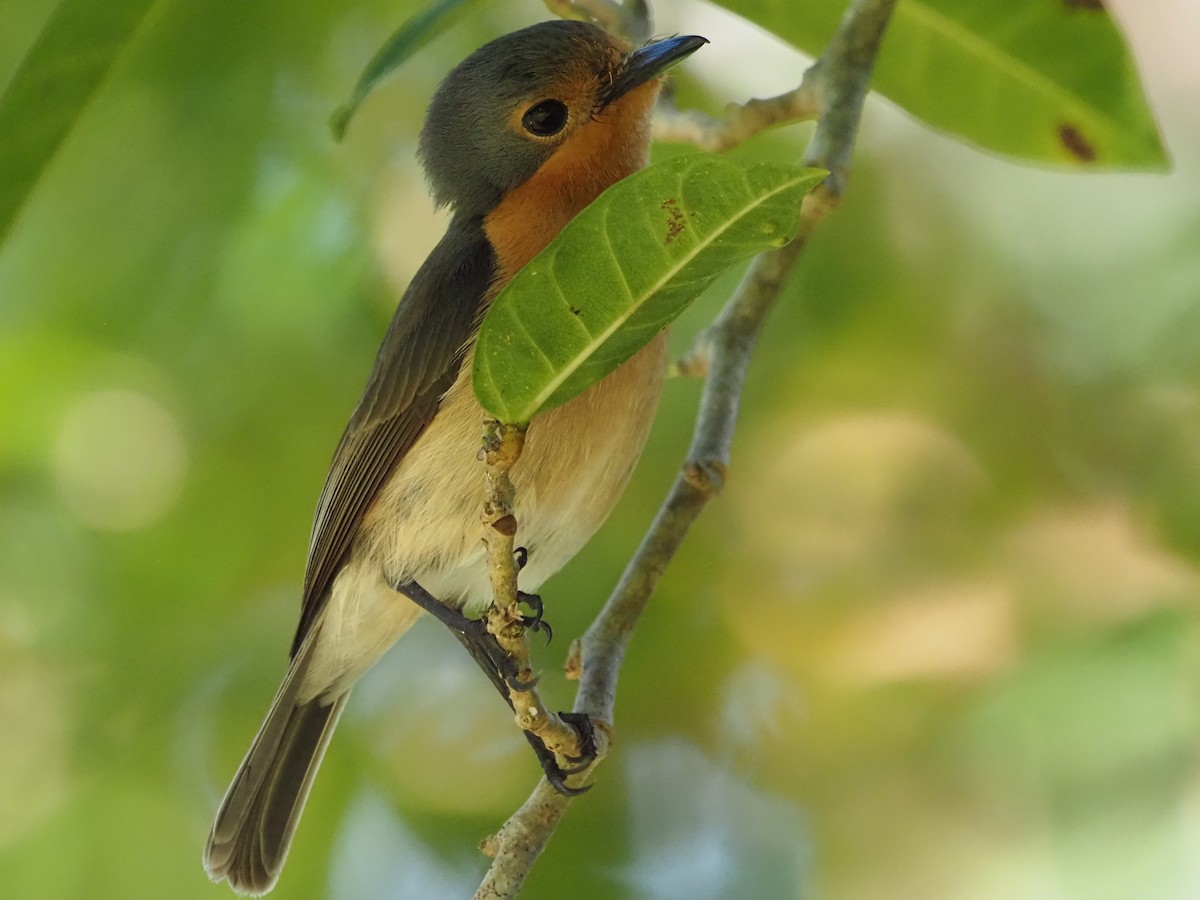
(535, 622)
(557, 775)
(533, 601)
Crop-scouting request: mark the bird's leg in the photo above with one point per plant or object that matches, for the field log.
(474, 635)
(505, 674)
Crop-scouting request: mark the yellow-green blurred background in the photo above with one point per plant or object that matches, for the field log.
(938, 639)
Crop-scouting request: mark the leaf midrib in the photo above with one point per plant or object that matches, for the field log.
(974, 44)
(572, 366)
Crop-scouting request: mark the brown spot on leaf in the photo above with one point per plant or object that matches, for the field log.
(1077, 145)
(676, 221)
(1095, 5)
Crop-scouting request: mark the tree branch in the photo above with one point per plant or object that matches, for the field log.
(740, 122)
(838, 83)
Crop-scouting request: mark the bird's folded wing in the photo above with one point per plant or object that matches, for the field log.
(419, 360)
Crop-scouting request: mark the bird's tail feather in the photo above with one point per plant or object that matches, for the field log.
(254, 826)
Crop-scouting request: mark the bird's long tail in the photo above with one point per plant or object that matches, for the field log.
(253, 830)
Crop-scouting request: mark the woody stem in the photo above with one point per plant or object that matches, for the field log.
(502, 446)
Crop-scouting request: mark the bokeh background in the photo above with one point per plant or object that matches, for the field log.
(938, 639)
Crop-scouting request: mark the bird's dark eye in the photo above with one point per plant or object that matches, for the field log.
(545, 118)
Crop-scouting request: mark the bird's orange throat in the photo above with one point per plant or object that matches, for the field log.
(614, 144)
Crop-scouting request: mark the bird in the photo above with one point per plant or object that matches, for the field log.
(518, 139)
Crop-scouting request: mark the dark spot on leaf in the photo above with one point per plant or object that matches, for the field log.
(575, 311)
(1096, 5)
(676, 221)
(1077, 145)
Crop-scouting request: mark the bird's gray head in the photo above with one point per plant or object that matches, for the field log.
(513, 103)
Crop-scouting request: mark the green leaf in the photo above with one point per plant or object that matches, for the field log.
(623, 269)
(1044, 80)
(404, 42)
(72, 56)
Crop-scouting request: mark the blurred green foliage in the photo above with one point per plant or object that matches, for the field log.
(938, 639)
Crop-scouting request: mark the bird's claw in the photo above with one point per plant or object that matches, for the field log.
(534, 602)
(557, 775)
(582, 723)
(500, 668)
(535, 622)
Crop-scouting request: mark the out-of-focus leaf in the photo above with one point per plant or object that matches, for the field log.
(623, 269)
(60, 74)
(1044, 80)
(404, 42)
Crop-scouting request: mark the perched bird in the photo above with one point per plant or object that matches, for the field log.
(520, 137)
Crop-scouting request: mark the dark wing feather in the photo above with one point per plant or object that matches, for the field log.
(419, 360)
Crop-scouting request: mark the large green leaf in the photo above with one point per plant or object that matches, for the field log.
(60, 74)
(624, 268)
(410, 37)
(1045, 80)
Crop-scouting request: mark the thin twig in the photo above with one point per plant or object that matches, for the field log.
(740, 122)
(502, 445)
(839, 81)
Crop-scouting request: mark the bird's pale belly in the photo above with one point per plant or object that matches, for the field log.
(426, 528)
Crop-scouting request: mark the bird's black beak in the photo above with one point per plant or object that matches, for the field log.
(649, 62)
